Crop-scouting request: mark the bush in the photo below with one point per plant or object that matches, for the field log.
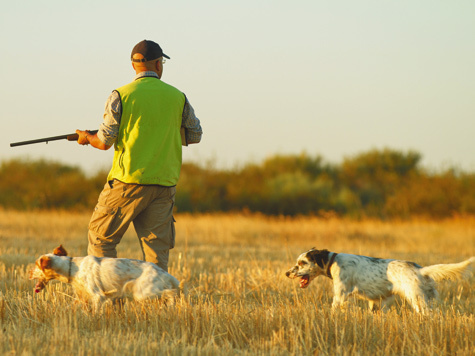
(43, 184)
(376, 183)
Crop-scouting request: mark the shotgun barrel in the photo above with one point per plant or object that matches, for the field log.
(69, 137)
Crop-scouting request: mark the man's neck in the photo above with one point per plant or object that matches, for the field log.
(146, 74)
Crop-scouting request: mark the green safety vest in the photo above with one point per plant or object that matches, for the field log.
(148, 146)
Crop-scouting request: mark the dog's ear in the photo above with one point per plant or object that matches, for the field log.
(60, 251)
(312, 254)
(320, 257)
(45, 262)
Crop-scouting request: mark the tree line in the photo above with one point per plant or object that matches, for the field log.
(378, 183)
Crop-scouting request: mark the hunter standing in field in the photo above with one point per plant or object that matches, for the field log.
(142, 120)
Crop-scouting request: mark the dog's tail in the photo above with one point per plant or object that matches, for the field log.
(451, 271)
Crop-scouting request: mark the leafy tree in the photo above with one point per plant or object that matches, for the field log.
(434, 196)
(375, 175)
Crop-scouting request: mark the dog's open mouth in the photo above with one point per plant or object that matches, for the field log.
(304, 281)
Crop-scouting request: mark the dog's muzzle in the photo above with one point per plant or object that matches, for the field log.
(40, 286)
(291, 273)
(304, 280)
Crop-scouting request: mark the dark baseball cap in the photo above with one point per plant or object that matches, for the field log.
(149, 50)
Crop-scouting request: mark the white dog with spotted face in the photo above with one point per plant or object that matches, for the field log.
(375, 279)
(102, 278)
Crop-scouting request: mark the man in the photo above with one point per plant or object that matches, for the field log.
(142, 120)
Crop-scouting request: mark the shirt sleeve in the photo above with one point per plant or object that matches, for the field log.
(109, 129)
(191, 123)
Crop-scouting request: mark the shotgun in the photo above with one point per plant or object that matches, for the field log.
(70, 137)
(74, 137)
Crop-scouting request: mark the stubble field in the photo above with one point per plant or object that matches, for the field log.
(239, 301)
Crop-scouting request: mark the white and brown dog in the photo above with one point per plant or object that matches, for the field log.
(375, 279)
(102, 278)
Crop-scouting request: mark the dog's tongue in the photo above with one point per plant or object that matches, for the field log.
(304, 281)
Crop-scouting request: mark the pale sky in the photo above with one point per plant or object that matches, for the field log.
(330, 78)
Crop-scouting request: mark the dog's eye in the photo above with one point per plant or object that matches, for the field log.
(302, 263)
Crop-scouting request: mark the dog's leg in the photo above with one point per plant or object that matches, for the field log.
(97, 303)
(383, 304)
(340, 296)
(169, 296)
(417, 299)
(420, 295)
(336, 303)
(340, 303)
(373, 305)
(410, 284)
(387, 302)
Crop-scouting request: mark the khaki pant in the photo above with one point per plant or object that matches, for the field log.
(149, 207)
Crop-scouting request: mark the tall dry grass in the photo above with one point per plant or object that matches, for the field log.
(239, 300)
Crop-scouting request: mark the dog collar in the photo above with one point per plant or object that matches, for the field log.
(332, 259)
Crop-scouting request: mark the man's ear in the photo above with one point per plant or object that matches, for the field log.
(45, 262)
(60, 251)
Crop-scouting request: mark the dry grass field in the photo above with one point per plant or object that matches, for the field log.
(239, 300)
